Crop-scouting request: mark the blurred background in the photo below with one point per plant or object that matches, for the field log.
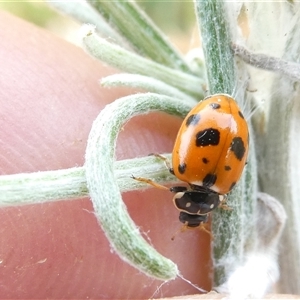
(178, 23)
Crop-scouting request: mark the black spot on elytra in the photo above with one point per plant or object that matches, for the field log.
(227, 168)
(232, 186)
(181, 168)
(193, 120)
(215, 105)
(241, 115)
(209, 180)
(206, 137)
(205, 160)
(238, 148)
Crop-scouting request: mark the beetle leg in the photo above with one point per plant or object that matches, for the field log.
(202, 226)
(166, 161)
(177, 189)
(151, 182)
(223, 203)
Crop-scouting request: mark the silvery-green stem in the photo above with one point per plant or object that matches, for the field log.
(68, 184)
(104, 191)
(148, 84)
(130, 62)
(141, 32)
(231, 229)
(82, 12)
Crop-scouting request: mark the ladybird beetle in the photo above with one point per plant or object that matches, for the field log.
(209, 154)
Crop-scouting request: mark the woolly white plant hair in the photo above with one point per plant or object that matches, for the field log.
(260, 270)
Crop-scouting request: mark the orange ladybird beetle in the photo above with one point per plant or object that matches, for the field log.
(210, 153)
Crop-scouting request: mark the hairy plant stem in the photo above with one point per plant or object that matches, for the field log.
(110, 210)
(230, 228)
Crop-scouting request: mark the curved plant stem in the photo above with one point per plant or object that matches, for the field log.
(109, 208)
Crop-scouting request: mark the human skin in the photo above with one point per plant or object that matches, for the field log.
(50, 95)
